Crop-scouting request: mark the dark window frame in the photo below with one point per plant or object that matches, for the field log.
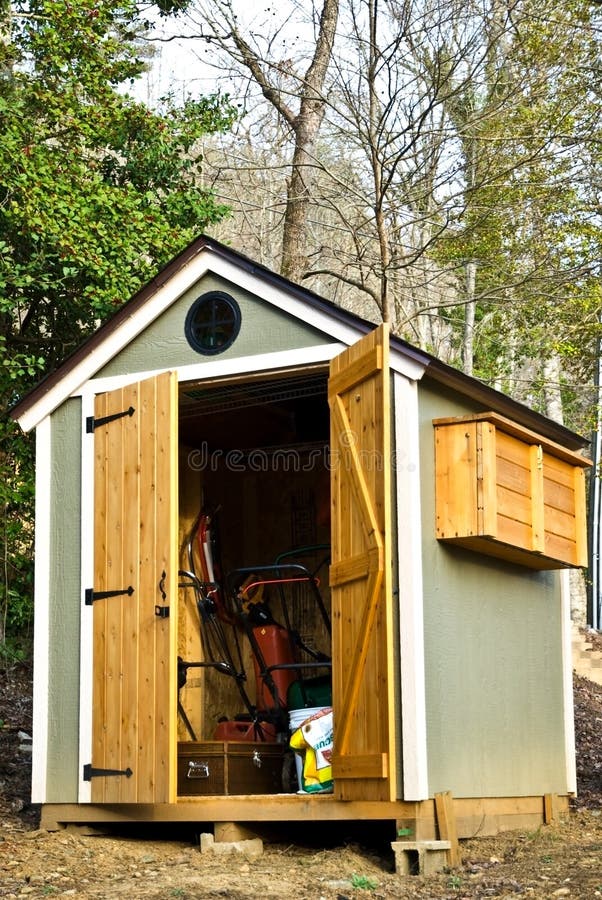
(212, 323)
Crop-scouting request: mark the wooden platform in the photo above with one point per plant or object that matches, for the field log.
(475, 817)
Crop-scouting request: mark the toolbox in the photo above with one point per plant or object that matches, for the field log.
(215, 768)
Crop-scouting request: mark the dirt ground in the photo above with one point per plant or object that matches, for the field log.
(559, 860)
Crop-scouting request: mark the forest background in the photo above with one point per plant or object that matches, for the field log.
(436, 164)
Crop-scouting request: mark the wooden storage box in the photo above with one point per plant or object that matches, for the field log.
(214, 768)
(508, 492)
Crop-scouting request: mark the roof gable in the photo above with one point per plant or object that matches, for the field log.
(262, 328)
(201, 257)
(206, 255)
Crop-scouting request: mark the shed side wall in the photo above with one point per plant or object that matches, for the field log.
(64, 612)
(493, 649)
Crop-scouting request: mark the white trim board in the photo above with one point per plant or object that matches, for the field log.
(567, 680)
(220, 368)
(84, 789)
(41, 629)
(410, 589)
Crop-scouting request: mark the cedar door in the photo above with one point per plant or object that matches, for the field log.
(134, 630)
(360, 575)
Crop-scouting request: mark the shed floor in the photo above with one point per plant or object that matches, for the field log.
(474, 816)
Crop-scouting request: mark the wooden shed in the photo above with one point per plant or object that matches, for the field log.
(455, 514)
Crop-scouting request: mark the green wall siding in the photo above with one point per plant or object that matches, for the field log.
(65, 593)
(264, 329)
(494, 690)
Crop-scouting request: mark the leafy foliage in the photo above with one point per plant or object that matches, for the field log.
(517, 202)
(96, 193)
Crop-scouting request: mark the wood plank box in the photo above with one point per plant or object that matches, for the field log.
(505, 491)
(216, 768)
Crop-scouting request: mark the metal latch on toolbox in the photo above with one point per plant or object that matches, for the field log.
(197, 769)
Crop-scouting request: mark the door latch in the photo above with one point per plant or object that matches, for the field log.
(162, 611)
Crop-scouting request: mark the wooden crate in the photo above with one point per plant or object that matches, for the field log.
(505, 491)
(217, 768)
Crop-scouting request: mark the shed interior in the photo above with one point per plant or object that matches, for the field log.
(253, 494)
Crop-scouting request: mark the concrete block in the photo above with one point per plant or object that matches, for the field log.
(252, 849)
(420, 857)
(232, 832)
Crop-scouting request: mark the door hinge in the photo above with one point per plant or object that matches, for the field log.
(91, 595)
(92, 423)
(90, 772)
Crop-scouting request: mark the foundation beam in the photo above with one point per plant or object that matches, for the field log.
(475, 817)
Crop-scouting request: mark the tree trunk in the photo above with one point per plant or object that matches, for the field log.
(306, 127)
(552, 393)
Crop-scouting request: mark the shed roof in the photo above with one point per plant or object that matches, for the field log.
(205, 254)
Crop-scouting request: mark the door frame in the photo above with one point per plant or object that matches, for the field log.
(407, 583)
(407, 372)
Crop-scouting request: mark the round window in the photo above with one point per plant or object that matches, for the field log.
(213, 322)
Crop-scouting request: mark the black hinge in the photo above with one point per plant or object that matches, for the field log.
(92, 423)
(91, 595)
(90, 772)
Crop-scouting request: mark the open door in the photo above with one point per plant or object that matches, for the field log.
(134, 594)
(360, 575)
